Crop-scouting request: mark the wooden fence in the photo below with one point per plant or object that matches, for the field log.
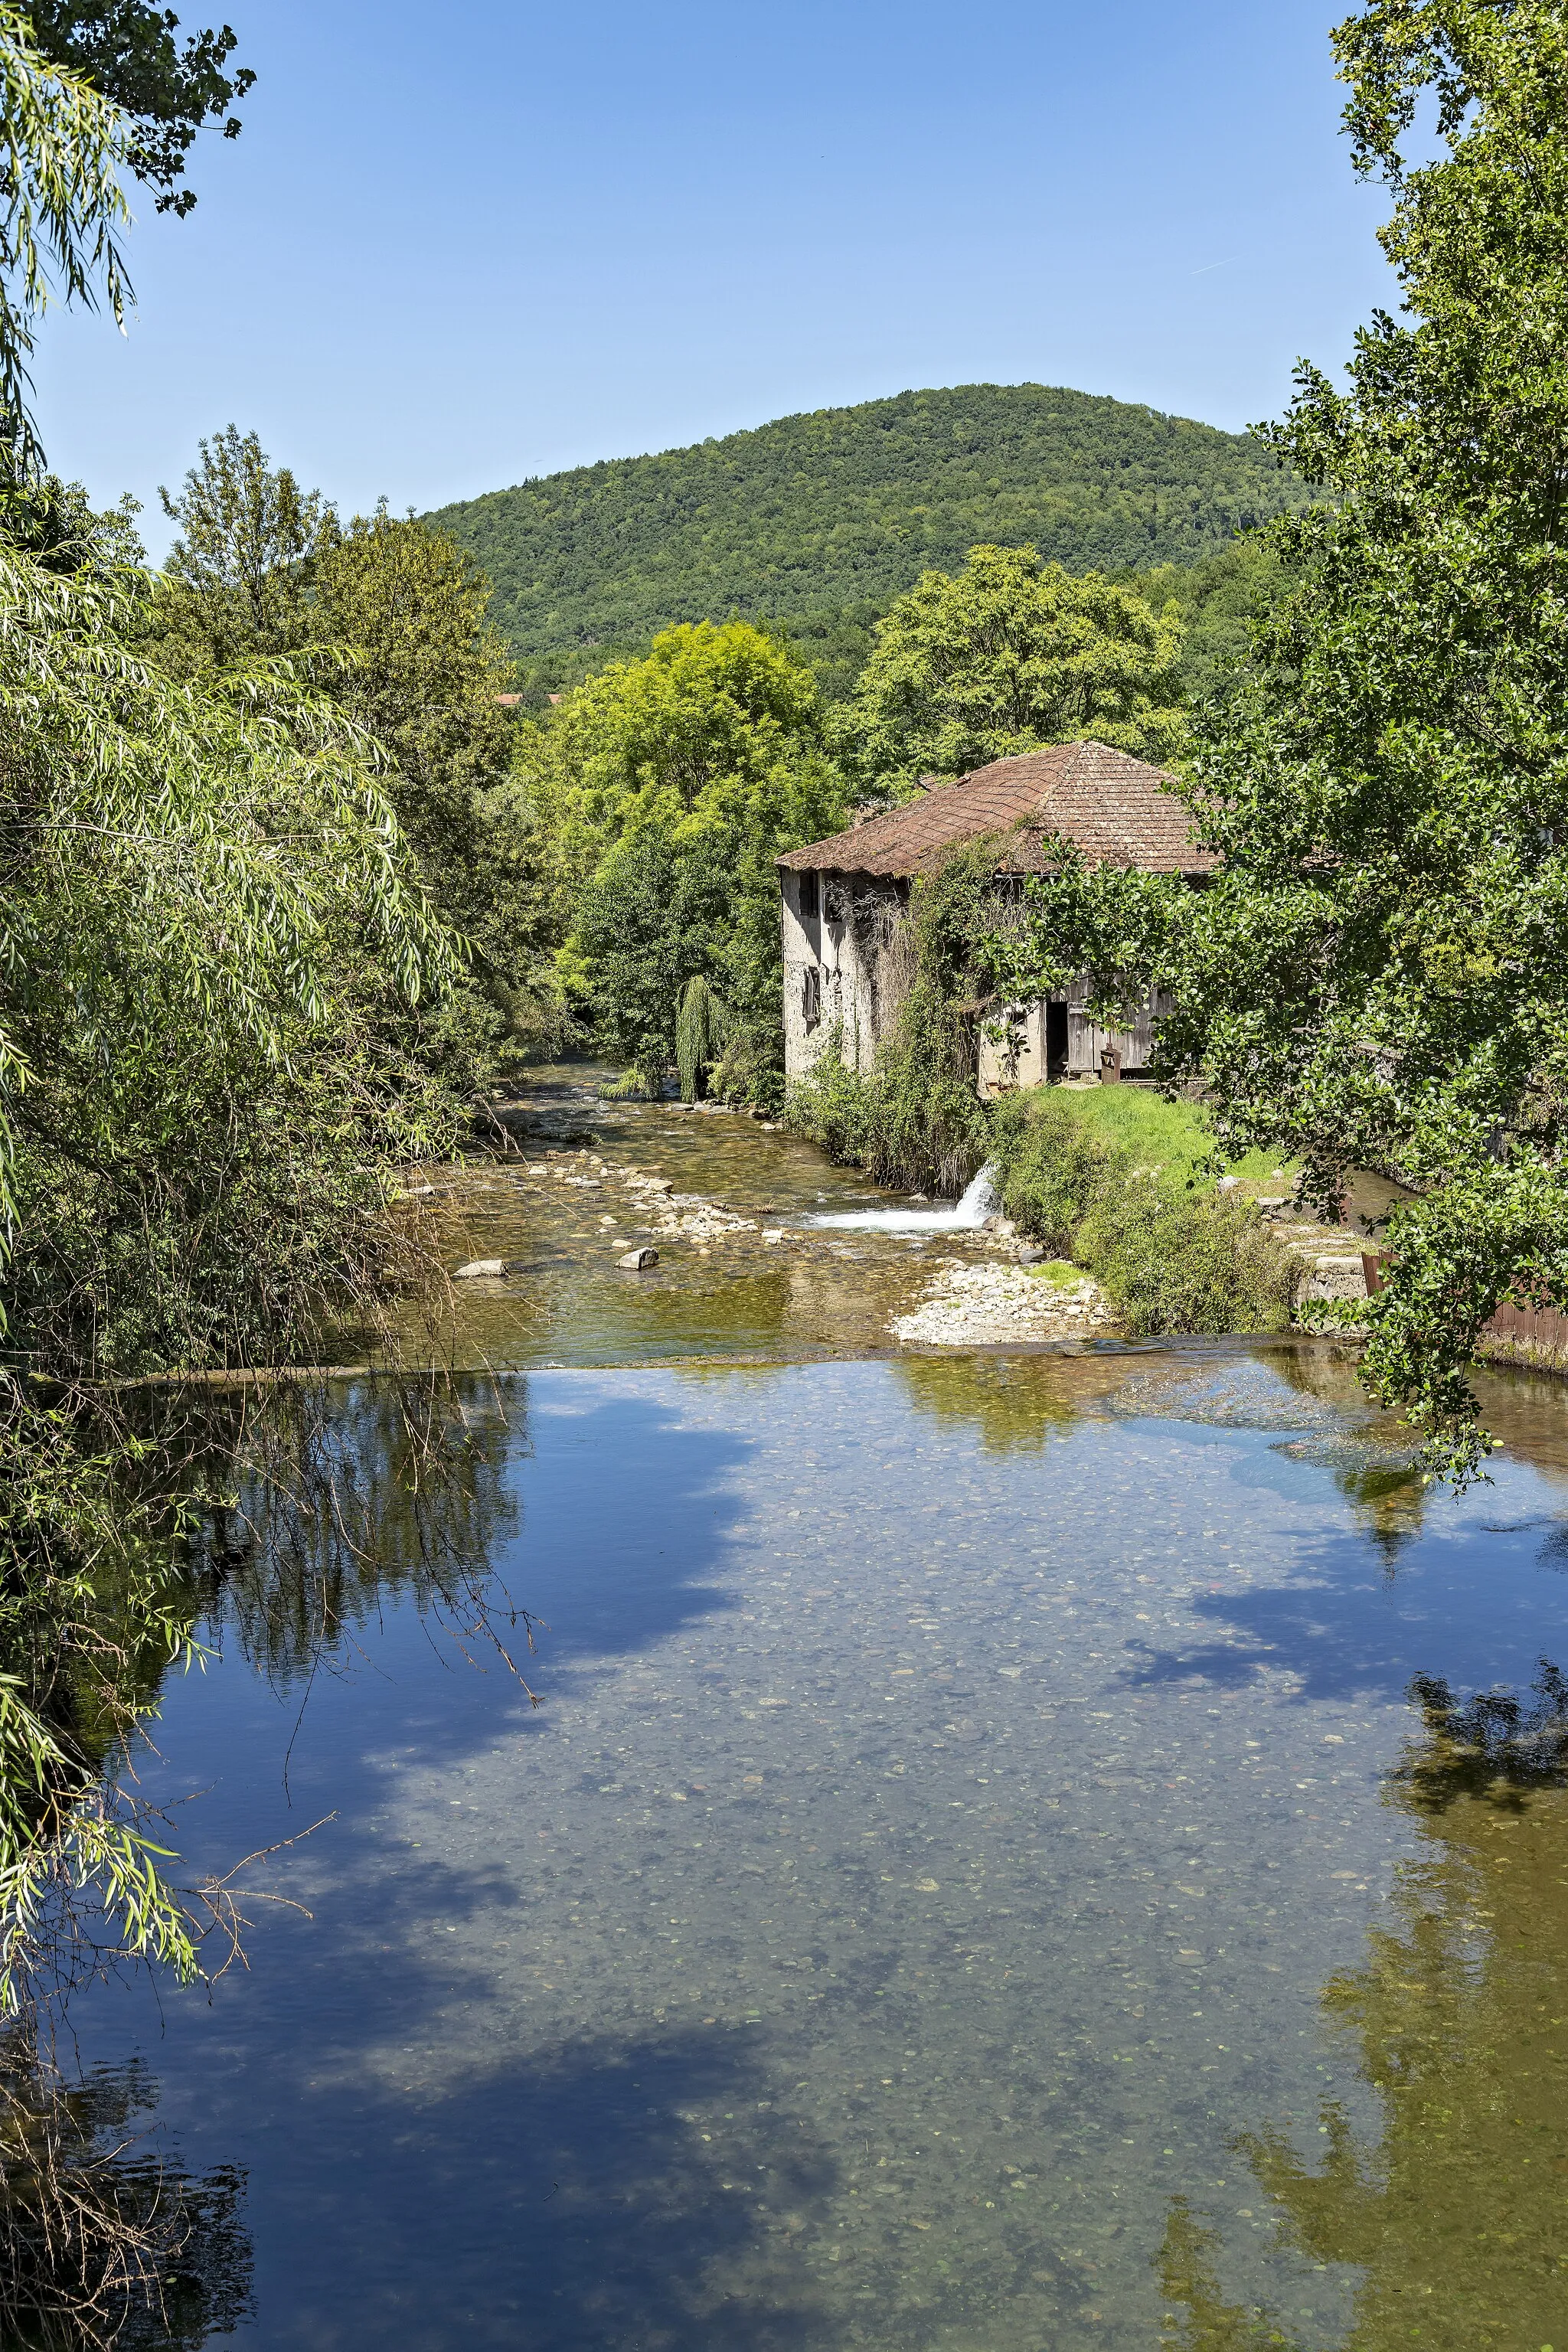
(1531, 1335)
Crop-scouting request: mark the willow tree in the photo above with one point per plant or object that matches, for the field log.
(204, 898)
(701, 1034)
(391, 618)
(1378, 976)
(62, 211)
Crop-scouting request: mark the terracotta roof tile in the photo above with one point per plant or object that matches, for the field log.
(1118, 811)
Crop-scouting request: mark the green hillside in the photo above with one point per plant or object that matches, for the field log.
(837, 512)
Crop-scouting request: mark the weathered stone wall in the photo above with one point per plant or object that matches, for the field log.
(857, 946)
(802, 954)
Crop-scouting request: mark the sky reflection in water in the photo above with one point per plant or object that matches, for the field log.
(959, 1890)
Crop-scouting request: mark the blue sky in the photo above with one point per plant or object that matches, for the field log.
(457, 248)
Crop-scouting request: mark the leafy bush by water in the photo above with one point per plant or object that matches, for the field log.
(917, 1123)
(1193, 1262)
(1077, 1171)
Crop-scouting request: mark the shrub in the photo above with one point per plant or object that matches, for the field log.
(1051, 1166)
(1184, 1261)
(1169, 1253)
(748, 1074)
(917, 1122)
(832, 1106)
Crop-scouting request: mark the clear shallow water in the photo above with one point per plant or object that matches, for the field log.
(956, 1880)
(822, 1293)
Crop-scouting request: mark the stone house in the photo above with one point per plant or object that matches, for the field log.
(846, 950)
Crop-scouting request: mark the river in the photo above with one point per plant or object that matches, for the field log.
(975, 1877)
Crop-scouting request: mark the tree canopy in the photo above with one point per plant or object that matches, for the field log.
(243, 565)
(1378, 976)
(707, 704)
(1007, 656)
(817, 522)
(667, 788)
(1217, 601)
(213, 936)
(166, 92)
(390, 619)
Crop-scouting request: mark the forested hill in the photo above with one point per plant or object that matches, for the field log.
(846, 507)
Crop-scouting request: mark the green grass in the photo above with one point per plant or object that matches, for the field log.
(1059, 1272)
(1172, 1139)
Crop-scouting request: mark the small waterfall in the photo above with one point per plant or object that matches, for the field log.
(980, 1200)
(965, 1217)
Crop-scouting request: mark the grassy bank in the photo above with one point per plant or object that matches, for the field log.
(1114, 1179)
(1117, 1179)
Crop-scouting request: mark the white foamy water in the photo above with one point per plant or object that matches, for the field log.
(964, 1217)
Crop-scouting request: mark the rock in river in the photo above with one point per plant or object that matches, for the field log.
(637, 1261)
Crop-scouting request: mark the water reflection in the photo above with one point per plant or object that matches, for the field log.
(320, 1510)
(957, 1781)
(1452, 2209)
(103, 2238)
(1371, 1456)
(1495, 1746)
(1388, 1499)
(351, 1499)
(1011, 1402)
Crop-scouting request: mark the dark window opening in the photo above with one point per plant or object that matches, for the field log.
(811, 997)
(810, 897)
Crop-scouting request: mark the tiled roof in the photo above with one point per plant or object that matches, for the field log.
(1117, 810)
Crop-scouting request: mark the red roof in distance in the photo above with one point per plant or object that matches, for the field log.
(1116, 810)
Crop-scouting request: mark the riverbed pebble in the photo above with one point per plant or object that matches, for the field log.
(970, 1305)
(698, 1219)
(637, 1261)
